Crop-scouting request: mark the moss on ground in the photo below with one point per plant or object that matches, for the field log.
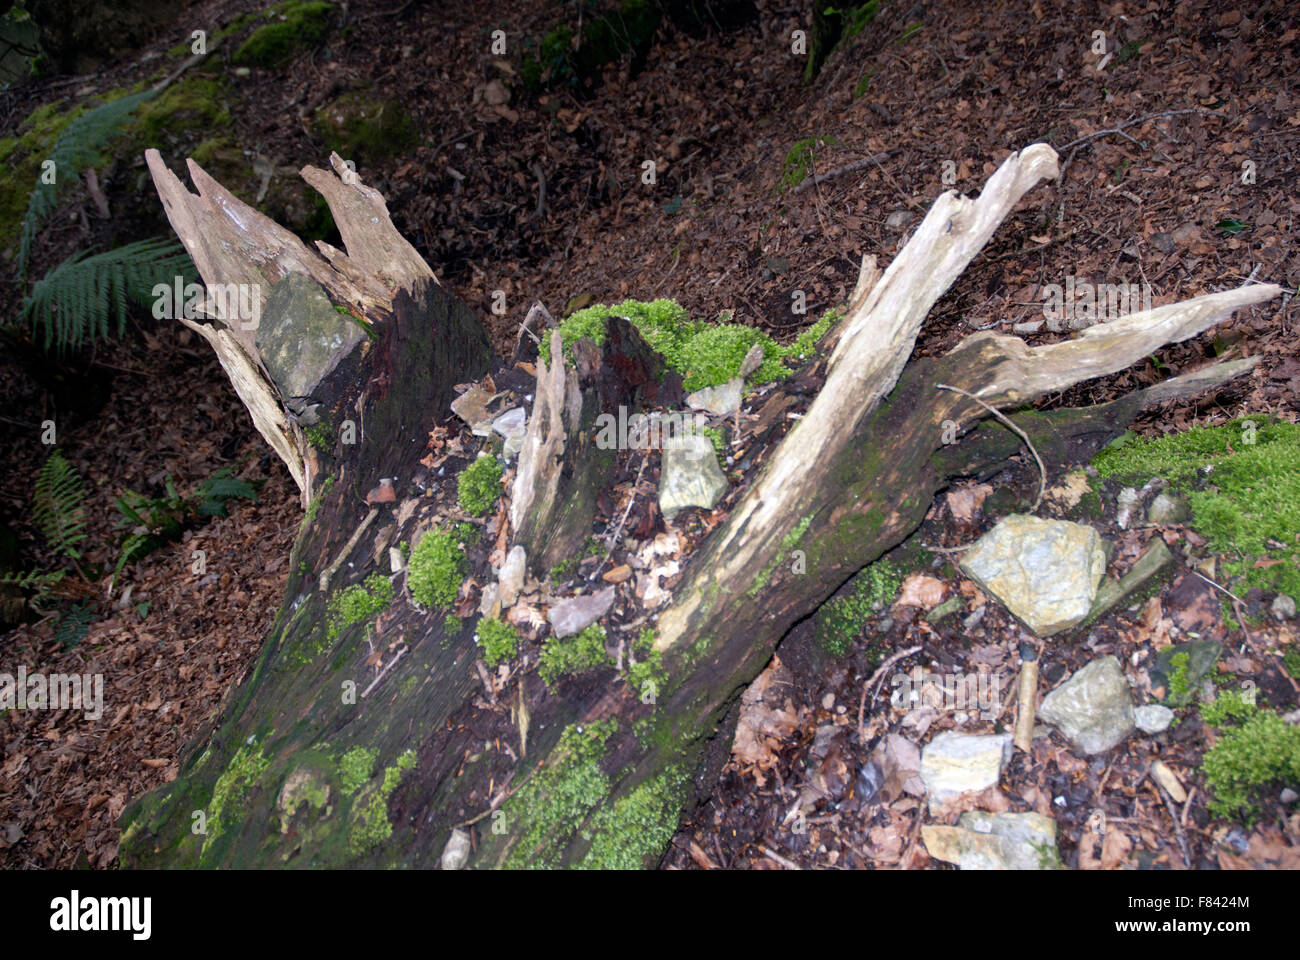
(839, 621)
(479, 485)
(573, 655)
(355, 768)
(22, 156)
(1242, 483)
(705, 354)
(365, 130)
(798, 165)
(194, 107)
(294, 26)
(1258, 749)
(436, 569)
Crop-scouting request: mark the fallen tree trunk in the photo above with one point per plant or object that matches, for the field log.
(387, 743)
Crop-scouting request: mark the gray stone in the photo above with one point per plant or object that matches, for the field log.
(512, 422)
(1125, 504)
(995, 841)
(1283, 607)
(456, 853)
(1094, 708)
(577, 613)
(957, 763)
(510, 580)
(513, 426)
(1167, 509)
(301, 337)
(472, 407)
(1201, 657)
(1153, 718)
(897, 220)
(1288, 795)
(690, 475)
(491, 594)
(720, 400)
(1044, 571)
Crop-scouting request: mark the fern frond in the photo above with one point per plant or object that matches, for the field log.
(36, 581)
(77, 147)
(74, 625)
(135, 547)
(59, 507)
(218, 488)
(74, 301)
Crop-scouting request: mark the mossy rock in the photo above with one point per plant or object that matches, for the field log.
(21, 156)
(295, 26)
(365, 130)
(194, 108)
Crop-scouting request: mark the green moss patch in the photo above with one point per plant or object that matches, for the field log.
(839, 621)
(633, 833)
(365, 130)
(557, 60)
(497, 640)
(705, 354)
(571, 656)
(22, 156)
(192, 110)
(370, 823)
(359, 602)
(1258, 749)
(231, 789)
(798, 165)
(436, 569)
(479, 485)
(556, 801)
(355, 768)
(294, 26)
(1242, 482)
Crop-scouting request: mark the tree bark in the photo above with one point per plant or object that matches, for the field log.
(596, 773)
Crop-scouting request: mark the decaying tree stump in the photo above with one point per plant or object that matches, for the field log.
(297, 774)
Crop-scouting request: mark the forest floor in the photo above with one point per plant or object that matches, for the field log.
(540, 195)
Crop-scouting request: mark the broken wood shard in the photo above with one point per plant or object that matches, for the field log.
(236, 247)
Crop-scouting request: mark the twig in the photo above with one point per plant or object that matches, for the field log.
(536, 168)
(777, 858)
(618, 530)
(911, 843)
(388, 666)
(502, 796)
(1075, 145)
(880, 671)
(840, 171)
(1178, 827)
(1237, 603)
(328, 573)
(1042, 470)
(1124, 126)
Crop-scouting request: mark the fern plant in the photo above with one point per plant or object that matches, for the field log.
(77, 147)
(74, 625)
(59, 507)
(161, 520)
(74, 301)
(37, 583)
